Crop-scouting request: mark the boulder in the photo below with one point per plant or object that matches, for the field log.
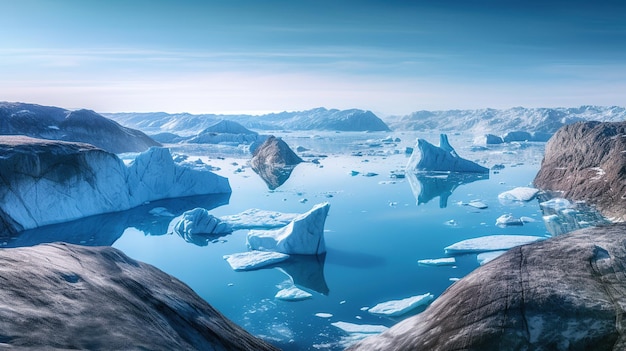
(586, 161)
(429, 158)
(61, 296)
(564, 293)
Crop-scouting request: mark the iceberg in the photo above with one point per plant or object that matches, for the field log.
(245, 261)
(477, 204)
(490, 243)
(400, 307)
(430, 158)
(302, 236)
(518, 194)
(446, 261)
(507, 220)
(259, 219)
(292, 293)
(197, 225)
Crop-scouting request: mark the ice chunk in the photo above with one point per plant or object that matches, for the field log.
(199, 221)
(360, 328)
(256, 219)
(161, 211)
(400, 307)
(323, 315)
(490, 243)
(557, 204)
(244, 261)
(519, 194)
(485, 257)
(427, 157)
(477, 204)
(508, 219)
(303, 236)
(446, 261)
(292, 293)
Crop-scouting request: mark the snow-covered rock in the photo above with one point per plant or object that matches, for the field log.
(200, 222)
(399, 307)
(490, 243)
(44, 181)
(518, 194)
(429, 158)
(302, 236)
(292, 293)
(445, 261)
(250, 260)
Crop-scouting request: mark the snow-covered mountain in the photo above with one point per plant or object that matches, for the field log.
(492, 121)
(81, 126)
(185, 124)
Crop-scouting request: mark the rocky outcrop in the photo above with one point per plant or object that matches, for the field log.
(61, 296)
(274, 161)
(565, 293)
(587, 161)
(46, 181)
(427, 157)
(81, 126)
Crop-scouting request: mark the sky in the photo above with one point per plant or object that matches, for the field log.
(255, 56)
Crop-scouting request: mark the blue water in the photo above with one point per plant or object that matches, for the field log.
(375, 233)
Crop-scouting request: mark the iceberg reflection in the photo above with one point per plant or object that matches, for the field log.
(274, 175)
(429, 185)
(306, 271)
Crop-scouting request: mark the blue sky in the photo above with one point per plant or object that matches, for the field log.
(391, 57)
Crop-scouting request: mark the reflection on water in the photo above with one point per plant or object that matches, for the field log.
(274, 175)
(306, 271)
(565, 219)
(429, 185)
(105, 229)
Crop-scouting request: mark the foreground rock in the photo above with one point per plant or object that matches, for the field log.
(60, 296)
(274, 161)
(45, 181)
(559, 294)
(82, 126)
(429, 158)
(586, 161)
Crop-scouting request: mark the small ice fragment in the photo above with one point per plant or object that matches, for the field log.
(446, 261)
(292, 293)
(323, 315)
(353, 173)
(400, 307)
(451, 223)
(342, 302)
(161, 211)
(508, 219)
(519, 194)
(490, 243)
(254, 259)
(485, 257)
(454, 279)
(477, 204)
(370, 174)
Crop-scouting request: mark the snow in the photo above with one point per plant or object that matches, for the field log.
(446, 261)
(244, 261)
(292, 293)
(557, 204)
(485, 257)
(259, 219)
(490, 243)
(199, 221)
(519, 194)
(303, 236)
(507, 220)
(400, 307)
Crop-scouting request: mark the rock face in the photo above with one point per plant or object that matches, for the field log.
(61, 296)
(587, 161)
(427, 157)
(81, 126)
(274, 161)
(45, 181)
(560, 294)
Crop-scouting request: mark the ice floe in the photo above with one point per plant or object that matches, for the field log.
(445, 261)
(292, 293)
(519, 194)
(477, 204)
(557, 204)
(507, 220)
(490, 243)
(244, 261)
(485, 257)
(400, 307)
(323, 315)
(359, 328)
(259, 219)
(199, 221)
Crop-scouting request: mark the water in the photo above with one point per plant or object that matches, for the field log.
(375, 232)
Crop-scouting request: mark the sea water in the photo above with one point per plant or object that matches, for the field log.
(379, 225)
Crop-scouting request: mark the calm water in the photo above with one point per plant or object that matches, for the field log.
(375, 233)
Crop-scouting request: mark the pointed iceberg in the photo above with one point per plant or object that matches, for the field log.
(430, 158)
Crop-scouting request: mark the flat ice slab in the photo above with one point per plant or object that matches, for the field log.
(360, 328)
(445, 261)
(519, 194)
(292, 293)
(244, 261)
(507, 220)
(400, 307)
(259, 219)
(485, 257)
(477, 204)
(490, 243)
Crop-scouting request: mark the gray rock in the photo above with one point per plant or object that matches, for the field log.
(586, 161)
(565, 293)
(274, 161)
(61, 296)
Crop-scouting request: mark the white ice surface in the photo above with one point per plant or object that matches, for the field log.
(557, 204)
(199, 221)
(359, 328)
(485, 257)
(490, 243)
(259, 219)
(477, 204)
(508, 219)
(519, 194)
(400, 307)
(292, 293)
(254, 259)
(445, 261)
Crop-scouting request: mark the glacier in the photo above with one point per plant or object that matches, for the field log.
(47, 181)
(430, 158)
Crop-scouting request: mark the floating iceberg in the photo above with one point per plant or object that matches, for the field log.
(507, 220)
(199, 222)
(446, 261)
(250, 260)
(430, 158)
(259, 219)
(400, 307)
(303, 236)
(519, 194)
(557, 204)
(292, 293)
(490, 243)
(485, 257)
(477, 204)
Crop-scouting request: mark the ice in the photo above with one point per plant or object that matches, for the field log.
(360, 328)
(323, 315)
(446, 261)
(199, 221)
(430, 158)
(519, 194)
(292, 293)
(400, 307)
(557, 204)
(477, 204)
(161, 211)
(245, 261)
(303, 236)
(259, 219)
(490, 243)
(485, 257)
(507, 220)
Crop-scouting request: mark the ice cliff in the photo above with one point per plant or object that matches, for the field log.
(45, 181)
(429, 158)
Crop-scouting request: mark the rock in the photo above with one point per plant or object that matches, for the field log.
(586, 161)
(84, 126)
(61, 296)
(559, 294)
(45, 181)
(302, 236)
(430, 158)
(274, 161)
